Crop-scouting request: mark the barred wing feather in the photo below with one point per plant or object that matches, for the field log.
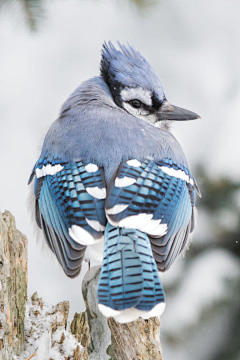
(70, 202)
(157, 198)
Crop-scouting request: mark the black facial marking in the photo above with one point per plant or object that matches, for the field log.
(156, 103)
(115, 89)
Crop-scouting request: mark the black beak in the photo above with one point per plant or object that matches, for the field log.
(170, 112)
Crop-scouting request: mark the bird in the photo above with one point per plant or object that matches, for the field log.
(110, 172)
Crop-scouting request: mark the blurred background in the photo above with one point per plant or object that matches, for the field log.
(47, 48)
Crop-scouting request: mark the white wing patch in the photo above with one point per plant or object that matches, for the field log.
(95, 225)
(82, 236)
(180, 174)
(132, 314)
(134, 163)
(48, 170)
(116, 209)
(142, 222)
(135, 221)
(155, 228)
(91, 168)
(124, 182)
(98, 193)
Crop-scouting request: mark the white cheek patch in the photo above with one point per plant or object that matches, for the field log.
(139, 93)
(124, 182)
(98, 193)
(82, 236)
(91, 168)
(48, 170)
(135, 112)
(180, 174)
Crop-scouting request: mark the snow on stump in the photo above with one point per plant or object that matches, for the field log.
(46, 334)
(13, 287)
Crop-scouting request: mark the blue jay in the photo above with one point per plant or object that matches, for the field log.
(111, 171)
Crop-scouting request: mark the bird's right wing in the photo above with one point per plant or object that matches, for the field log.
(155, 197)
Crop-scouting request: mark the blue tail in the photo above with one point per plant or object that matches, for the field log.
(129, 276)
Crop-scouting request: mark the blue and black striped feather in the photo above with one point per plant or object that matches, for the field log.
(56, 234)
(166, 197)
(62, 201)
(43, 161)
(129, 276)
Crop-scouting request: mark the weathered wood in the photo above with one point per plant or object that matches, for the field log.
(100, 335)
(13, 287)
(80, 329)
(138, 340)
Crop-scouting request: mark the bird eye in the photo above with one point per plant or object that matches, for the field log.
(136, 103)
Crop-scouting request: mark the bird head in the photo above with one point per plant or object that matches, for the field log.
(136, 88)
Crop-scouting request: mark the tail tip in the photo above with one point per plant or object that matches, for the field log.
(132, 314)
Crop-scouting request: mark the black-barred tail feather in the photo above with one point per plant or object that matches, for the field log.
(129, 285)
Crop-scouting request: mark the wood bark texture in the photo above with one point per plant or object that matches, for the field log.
(13, 287)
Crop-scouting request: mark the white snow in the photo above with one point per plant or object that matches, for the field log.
(39, 336)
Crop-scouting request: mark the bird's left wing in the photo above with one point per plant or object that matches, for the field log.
(157, 198)
(69, 207)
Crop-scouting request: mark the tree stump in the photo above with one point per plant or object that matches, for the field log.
(13, 287)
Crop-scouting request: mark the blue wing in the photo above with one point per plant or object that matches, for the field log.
(70, 200)
(157, 198)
